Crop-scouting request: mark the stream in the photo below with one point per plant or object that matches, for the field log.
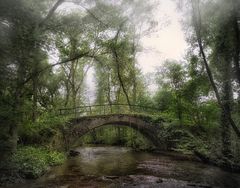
(123, 167)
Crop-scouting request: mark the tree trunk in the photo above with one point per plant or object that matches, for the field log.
(109, 88)
(120, 77)
(67, 94)
(197, 27)
(8, 143)
(94, 136)
(236, 42)
(134, 89)
(34, 104)
(179, 109)
(226, 98)
(117, 61)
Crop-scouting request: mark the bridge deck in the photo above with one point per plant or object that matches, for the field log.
(106, 109)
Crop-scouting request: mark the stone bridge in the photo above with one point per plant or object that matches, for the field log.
(78, 127)
(87, 118)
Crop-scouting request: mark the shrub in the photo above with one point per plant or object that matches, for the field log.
(41, 131)
(31, 162)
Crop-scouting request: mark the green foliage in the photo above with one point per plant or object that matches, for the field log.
(183, 94)
(45, 127)
(106, 37)
(113, 135)
(163, 100)
(184, 139)
(145, 100)
(32, 162)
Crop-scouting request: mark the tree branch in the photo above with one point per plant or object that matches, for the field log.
(115, 54)
(51, 12)
(94, 16)
(53, 65)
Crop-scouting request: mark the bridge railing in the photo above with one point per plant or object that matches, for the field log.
(106, 109)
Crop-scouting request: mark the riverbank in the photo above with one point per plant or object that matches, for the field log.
(31, 163)
(28, 163)
(123, 167)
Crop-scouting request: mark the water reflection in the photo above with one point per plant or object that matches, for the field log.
(122, 167)
(100, 161)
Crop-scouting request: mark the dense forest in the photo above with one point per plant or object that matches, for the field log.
(50, 48)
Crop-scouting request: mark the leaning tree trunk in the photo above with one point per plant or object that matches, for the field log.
(226, 102)
(118, 61)
(235, 18)
(236, 37)
(197, 27)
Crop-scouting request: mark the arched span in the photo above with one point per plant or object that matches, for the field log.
(81, 126)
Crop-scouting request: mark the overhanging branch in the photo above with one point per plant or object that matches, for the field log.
(51, 12)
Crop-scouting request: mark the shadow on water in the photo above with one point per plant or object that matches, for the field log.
(122, 167)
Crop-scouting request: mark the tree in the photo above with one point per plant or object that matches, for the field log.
(221, 49)
(172, 78)
(24, 43)
(216, 37)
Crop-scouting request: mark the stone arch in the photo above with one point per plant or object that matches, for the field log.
(81, 126)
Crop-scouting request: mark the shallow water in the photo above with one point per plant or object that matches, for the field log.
(122, 167)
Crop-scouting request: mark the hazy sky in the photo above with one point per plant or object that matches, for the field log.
(167, 43)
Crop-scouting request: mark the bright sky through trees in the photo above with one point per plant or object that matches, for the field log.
(167, 42)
